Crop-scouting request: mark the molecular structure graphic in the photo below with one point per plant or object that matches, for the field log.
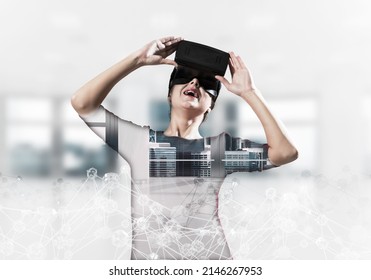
(241, 217)
(180, 222)
(63, 220)
(315, 218)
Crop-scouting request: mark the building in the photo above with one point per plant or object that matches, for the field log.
(245, 160)
(201, 163)
(162, 160)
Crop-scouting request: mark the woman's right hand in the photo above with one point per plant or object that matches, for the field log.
(89, 97)
(157, 51)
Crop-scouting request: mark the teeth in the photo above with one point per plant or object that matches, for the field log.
(191, 93)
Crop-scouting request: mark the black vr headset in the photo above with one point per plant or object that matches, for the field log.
(202, 62)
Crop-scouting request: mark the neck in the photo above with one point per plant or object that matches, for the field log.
(187, 128)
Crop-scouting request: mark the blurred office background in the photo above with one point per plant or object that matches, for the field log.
(310, 59)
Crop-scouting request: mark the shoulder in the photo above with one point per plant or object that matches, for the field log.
(102, 117)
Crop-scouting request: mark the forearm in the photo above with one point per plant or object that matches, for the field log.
(89, 97)
(280, 150)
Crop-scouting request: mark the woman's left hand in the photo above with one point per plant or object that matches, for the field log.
(241, 77)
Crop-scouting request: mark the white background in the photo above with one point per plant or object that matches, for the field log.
(310, 59)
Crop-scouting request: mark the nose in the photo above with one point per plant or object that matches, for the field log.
(195, 82)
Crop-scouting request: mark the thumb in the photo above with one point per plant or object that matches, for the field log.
(223, 80)
(169, 62)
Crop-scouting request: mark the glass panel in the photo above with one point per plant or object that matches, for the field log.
(83, 149)
(28, 109)
(29, 149)
(39, 136)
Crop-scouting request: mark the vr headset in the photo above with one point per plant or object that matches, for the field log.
(202, 62)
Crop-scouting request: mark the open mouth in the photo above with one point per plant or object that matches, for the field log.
(191, 93)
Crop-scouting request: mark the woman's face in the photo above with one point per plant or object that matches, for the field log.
(191, 97)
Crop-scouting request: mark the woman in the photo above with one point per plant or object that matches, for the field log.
(177, 175)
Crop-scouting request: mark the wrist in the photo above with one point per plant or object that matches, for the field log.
(248, 93)
(136, 60)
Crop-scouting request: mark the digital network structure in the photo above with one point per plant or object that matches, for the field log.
(318, 218)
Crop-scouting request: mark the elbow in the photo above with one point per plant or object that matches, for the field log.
(74, 103)
(284, 156)
(293, 155)
(80, 107)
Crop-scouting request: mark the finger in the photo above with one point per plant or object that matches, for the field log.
(169, 62)
(160, 44)
(223, 80)
(231, 58)
(168, 51)
(231, 68)
(173, 42)
(236, 61)
(170, 40)
(166, 39)
(240, 61)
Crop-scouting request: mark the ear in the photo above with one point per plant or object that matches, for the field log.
(208, 110)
